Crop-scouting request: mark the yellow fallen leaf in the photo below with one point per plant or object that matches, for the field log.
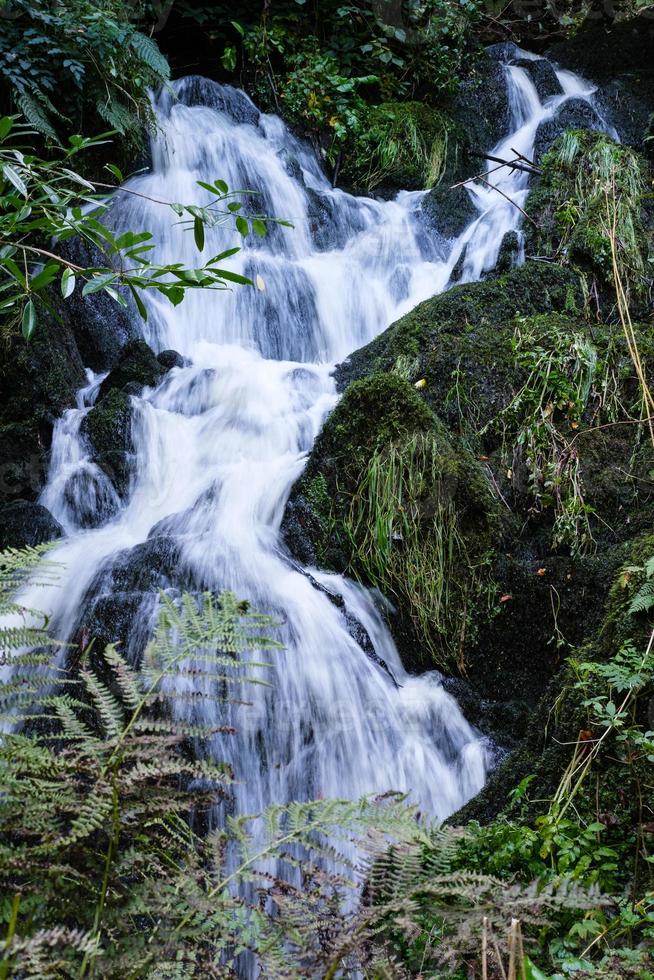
(421, 384)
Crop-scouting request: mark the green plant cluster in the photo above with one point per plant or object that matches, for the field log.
(404, 143)
(592, 191)
(323, 65)
(68, 65)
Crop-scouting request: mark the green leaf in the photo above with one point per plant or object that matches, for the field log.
(5, 126)
(29, 319)
(43, 278)
(118, 174)
(198, 233)
(260, 227)
(98, 282)
(242, 226)
(227, 254)
(140, 306)
(15, 179)
(233, 277)
(532, 972)
(221, 186)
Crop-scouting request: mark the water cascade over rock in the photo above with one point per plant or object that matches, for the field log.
(190, 490)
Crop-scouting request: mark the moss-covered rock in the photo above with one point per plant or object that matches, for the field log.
(137, 367)
(389, 495)
(38, 381)
(531, 411)
(569, 204)
(466, 317)
(108, 428)
(561, 716)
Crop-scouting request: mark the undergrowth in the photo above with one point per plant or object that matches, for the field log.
(570, 383)
(406, 539)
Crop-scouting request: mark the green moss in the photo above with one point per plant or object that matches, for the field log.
(589, 184)
(108, 428)
(404, 144)
(562, 714)
(470, 309)
(394, 501)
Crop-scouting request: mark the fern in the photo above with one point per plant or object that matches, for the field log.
(148, 52)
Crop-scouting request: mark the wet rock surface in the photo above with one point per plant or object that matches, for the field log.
(24, 523)
(108, 428)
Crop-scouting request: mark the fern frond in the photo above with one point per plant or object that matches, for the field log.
(148, 52)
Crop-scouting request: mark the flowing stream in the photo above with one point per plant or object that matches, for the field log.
(220, 442)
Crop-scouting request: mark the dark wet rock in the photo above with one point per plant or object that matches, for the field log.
(26, 524)
(300, 531)
(124, 593)
(619, 58)
(108, 428)
(195, 90)
(91, 496)
(38, 381)
(555, 722)
(573, 114)
(543, 76)
(170, 359)
(503, 51)
(447, 211)
(482, 113)
(138, 367)
(101, 327)
(509, 252)
(354, 627)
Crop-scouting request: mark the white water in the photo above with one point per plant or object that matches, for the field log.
(221, 441)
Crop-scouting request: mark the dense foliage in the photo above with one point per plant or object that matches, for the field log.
(71, 65)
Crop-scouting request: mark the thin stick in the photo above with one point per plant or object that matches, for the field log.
(506, 197)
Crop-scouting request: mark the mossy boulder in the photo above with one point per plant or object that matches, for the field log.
(108, 429)
(561, 717)
(489, 370)
(138, 367)
(568, 207)
(467, 315)
(389, 495)
(38, 381)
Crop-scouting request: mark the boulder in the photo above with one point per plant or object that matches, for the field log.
(572, 114)
(101, 326)
(543, 76)
(38, 381)
(108, 429)
(24, 523)
(138, 367)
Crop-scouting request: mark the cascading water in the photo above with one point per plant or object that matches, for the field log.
(221, 441)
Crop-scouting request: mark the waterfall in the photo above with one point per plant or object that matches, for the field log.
(220, 442)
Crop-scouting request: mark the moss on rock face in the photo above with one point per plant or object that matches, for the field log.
(589, 185)
(402, 144)
(561, 715)
(470, 315)
(388, 496)
(38, 381)
(108, 428)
